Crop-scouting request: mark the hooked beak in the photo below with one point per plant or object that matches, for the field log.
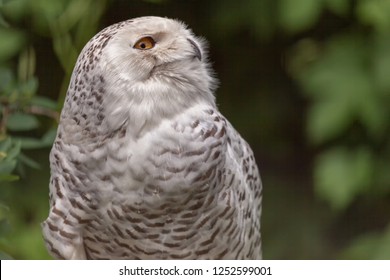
(198, 53)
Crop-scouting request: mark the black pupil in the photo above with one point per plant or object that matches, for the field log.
(143, 45)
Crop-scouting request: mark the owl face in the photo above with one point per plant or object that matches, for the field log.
(139, 72)
(156, 52)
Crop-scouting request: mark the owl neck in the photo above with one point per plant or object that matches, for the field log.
(142, 109)
(105, 106)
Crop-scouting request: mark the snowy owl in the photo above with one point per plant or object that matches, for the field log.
(144, 166)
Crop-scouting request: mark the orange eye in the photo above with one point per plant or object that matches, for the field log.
(145, 43)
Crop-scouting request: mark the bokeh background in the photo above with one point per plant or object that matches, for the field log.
(306, 82)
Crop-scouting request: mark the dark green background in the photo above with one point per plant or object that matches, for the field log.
(306, 82)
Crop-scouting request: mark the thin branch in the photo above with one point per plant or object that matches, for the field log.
(36, 110)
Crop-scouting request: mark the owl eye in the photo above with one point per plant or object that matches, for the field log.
(145, 43)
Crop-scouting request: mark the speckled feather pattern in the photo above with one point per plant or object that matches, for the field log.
(144, 166)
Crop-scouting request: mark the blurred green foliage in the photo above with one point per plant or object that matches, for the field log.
(305, 81)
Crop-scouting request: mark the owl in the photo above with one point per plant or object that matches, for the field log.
(144, 166)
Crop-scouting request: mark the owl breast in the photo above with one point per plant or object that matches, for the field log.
(174, 193)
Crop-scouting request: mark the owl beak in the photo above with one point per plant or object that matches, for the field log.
(198, 53)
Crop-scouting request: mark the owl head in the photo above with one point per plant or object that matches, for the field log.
(143, 70)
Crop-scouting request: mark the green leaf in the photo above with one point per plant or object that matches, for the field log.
(29, 161)
(8, 177)
(340, 175)
(375, 13)
(49, 137)
(22, 122)
(9, 152)
(5, 144)
(27, 64)
(4, 226)
(343, 92)
(6, 78)
(11, 46)
(6, 167)
(44, 102)
(45, 13)
(382, 175)
(339, 7)
(340, 65)
(13, 151)
(372, 111)
(381, 63)
(328, 119)
(372, 246)
(30, 143)
(363, 247)
(4, 210)
(298, 15)
(3, 22)
(34, 143)
(29, 87)
(16, 9)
